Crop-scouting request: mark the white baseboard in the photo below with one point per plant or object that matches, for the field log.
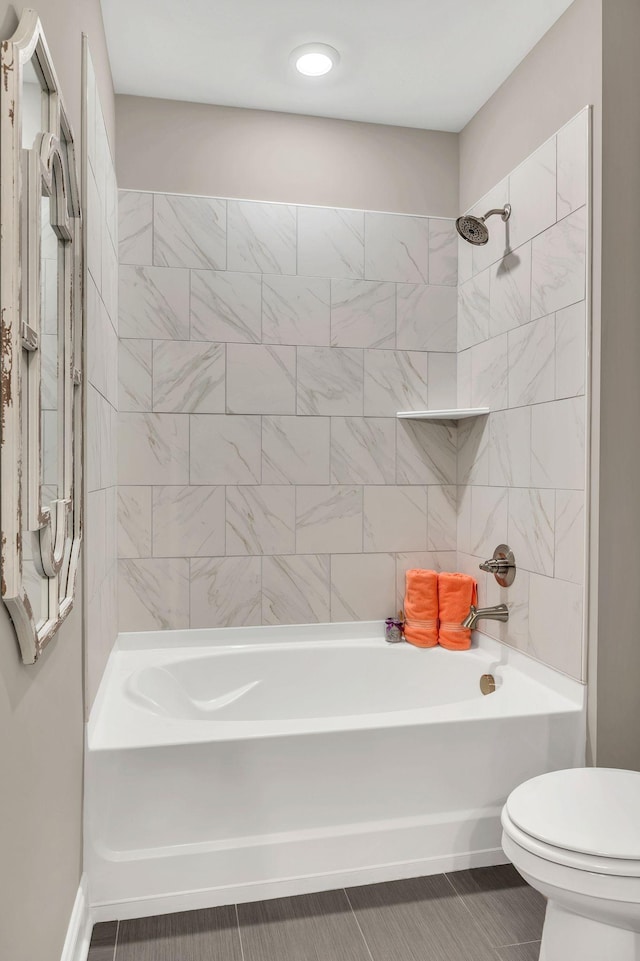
(143, 907)
(76, 943)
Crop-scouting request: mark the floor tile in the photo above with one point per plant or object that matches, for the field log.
(312, 927)
(504, 906)
(210, 935)
(520, 952)
(421, 919)
(103, 940)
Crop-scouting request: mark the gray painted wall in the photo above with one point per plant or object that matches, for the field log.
(618, 654)
(170, 146)
(41, 732)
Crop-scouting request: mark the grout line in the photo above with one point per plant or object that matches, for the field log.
(355, 916)
(115, 943)
(239, 932)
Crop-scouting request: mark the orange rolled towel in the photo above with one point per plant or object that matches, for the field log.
(421, 608)
(456, 594)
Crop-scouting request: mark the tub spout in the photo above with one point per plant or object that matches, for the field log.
(498, 613)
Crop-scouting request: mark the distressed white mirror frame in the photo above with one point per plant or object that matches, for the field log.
(47, 169)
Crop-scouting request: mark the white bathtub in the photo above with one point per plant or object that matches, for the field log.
(231, 765)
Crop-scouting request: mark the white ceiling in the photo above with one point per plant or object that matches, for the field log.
(417, 63)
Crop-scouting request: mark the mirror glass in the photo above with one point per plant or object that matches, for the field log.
(51, 359)
(33, 105)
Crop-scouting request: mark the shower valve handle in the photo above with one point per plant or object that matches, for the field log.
(502, 565)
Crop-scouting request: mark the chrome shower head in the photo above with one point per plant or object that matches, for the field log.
(474, 229)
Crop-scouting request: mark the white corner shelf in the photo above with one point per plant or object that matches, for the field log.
(460, 413)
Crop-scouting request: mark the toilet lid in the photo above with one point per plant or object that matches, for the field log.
(589, 810)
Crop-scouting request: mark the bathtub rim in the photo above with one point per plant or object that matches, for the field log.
(567, 694)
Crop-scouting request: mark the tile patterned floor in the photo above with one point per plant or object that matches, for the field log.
(488, 914)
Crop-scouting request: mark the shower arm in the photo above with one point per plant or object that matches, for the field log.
(504, 212)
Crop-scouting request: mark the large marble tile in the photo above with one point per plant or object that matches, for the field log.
(473, 310)
(261, 520)
(532, 194)
(463, 509)
(570, 535)
(134, 521)
(226, 306)
(558, 444)
(110, 279)
(510, 291)
(330, 242)
(189, 377)
(296, 589)
(510, 448)
(573, 146)
(95, 339)
(329, 520)
(135, 227)
(394, 380)
(153, 594)
(489, 519)
(427, 317)
(555, 624)
(532, 362)
(189, 231)
(261, 379)
(188, 521)
(473, 451)
(296, 310)
(420, 560)
(363, 314)
(225, 449)
(330, 381)
(463, 378)
(95, 540)
(426, 452)
(442, 381)
(295, 450)
(362, 587)
(225, 591)
(515, 631)
(363, 450)
(558, 265)
(465, 261)
(441, 518)
(94, 230)
(532, 529)
(261, 237)
(443, 252)
(489, 373)
(396, 248)
(153, 448)
(571, 350)
(395, 519)
(154, 302)
(499, 242)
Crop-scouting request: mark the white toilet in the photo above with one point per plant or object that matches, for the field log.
(575, 837)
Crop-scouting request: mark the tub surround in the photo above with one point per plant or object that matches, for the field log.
(265, 350)
(523, 332)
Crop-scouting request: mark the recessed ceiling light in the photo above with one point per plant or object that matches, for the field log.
(315, 59)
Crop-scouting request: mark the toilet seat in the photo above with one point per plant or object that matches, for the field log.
(592, 811)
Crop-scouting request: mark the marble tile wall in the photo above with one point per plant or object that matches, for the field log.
(523, 331)
(101, 360)
(264, 351)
